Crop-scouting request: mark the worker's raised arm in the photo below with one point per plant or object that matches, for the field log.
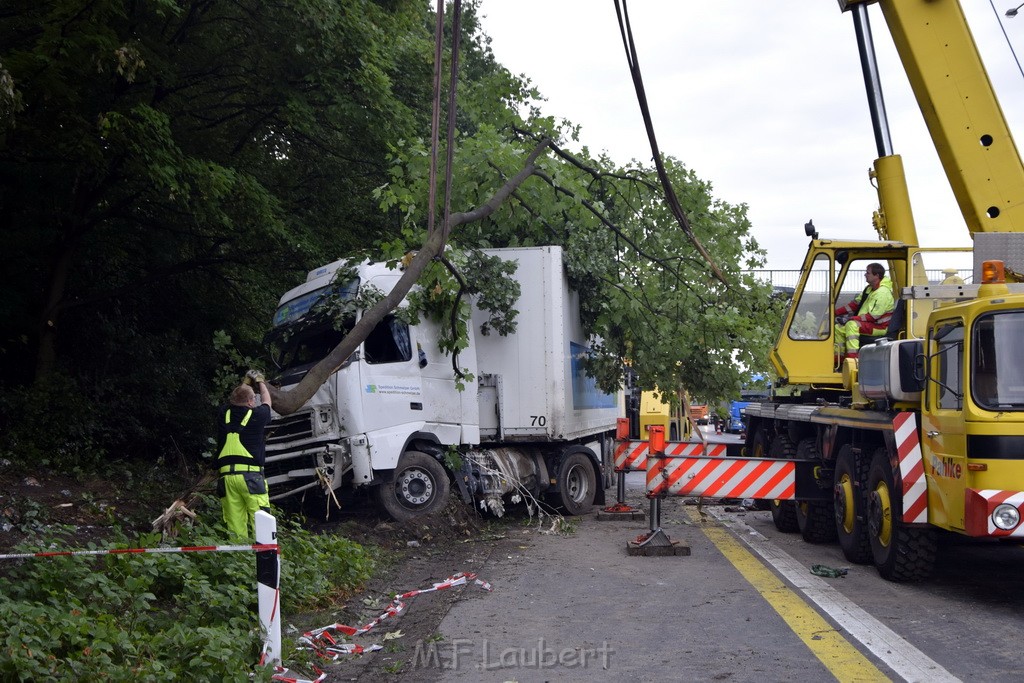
(265, 394)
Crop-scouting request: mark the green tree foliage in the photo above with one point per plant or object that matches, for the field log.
(644, 288)
(166, 170)
(169, 168)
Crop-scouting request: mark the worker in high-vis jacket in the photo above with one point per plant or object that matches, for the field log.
(868, 314)
(241, 485)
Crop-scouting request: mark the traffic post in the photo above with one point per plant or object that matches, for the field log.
(656, 541)
(268, 586)
(629, 457)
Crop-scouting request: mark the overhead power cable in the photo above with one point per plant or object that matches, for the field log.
(638, 84)
(1005, 36)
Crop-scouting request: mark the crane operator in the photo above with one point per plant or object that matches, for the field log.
(868, 314)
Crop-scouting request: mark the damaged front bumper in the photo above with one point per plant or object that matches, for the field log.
(300, 469)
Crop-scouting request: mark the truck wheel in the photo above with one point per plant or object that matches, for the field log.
(815, 518)
(576, 486)
(608, 458)
(900, 553)
(420, 486)
(848, 494)
(783, 511)
(759, 449)
(759, 444)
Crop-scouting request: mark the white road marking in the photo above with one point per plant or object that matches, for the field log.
(907, 661)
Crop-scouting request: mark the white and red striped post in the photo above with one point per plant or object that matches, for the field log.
(268, 583)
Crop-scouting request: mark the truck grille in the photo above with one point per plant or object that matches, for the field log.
(292, 427)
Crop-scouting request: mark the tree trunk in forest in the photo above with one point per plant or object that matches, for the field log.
(46, 357)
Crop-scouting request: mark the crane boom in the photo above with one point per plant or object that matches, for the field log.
(960, 108)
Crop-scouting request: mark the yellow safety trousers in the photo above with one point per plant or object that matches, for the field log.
(238, 502)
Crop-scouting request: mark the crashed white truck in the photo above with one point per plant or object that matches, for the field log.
(525, 421)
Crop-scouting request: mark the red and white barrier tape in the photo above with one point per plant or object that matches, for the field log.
(324, 645)
(139, 551)
(281, 676)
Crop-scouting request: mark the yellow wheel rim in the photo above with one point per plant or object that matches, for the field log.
(884, 514)
(846, 500)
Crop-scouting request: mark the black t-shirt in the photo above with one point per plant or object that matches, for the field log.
(251, 435)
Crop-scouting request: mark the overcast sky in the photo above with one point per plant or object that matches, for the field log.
(763, 99)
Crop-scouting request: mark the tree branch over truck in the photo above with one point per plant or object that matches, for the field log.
(287, 402)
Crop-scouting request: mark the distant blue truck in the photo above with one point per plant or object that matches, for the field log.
(735, 423)
(759, 389)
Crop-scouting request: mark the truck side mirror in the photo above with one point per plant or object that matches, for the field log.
(920, 368)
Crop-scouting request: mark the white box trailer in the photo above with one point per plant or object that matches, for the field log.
(544, 392)
(394, 418)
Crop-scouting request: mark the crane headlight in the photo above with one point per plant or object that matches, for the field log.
(993, 273)
(1006, 517)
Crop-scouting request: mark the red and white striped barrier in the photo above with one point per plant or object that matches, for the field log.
(908, 450)
(631, 456)
(722, 477)
(324, 645)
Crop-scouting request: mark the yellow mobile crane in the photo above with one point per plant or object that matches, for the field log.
(657, 408)
(925, 431)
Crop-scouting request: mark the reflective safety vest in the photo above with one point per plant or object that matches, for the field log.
(872, 307)
(234, 457)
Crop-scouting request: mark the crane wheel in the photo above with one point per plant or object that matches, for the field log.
(900, 553)
(848, 494)
(783, 511)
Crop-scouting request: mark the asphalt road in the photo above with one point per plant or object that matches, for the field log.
(743, 606)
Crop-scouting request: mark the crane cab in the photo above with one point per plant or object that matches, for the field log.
(832, 275)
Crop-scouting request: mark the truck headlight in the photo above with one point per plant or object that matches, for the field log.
(1006, 516)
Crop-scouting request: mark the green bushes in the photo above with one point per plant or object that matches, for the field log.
(157, 617)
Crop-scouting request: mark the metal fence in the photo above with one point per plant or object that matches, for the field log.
(790, 278)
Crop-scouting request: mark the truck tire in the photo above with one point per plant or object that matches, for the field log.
(576, 485)
(783, 511)
(848, 494)
(419, 486)
(815, 518)
(759, 443)
(608, 458)
(900, 553)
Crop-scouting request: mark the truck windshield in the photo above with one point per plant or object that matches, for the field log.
(296, 309)
(997, 366)
(307, 327)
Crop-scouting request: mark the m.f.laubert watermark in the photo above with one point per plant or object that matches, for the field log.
(486, 656)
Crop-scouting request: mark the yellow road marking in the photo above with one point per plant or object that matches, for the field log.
(842, 659)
